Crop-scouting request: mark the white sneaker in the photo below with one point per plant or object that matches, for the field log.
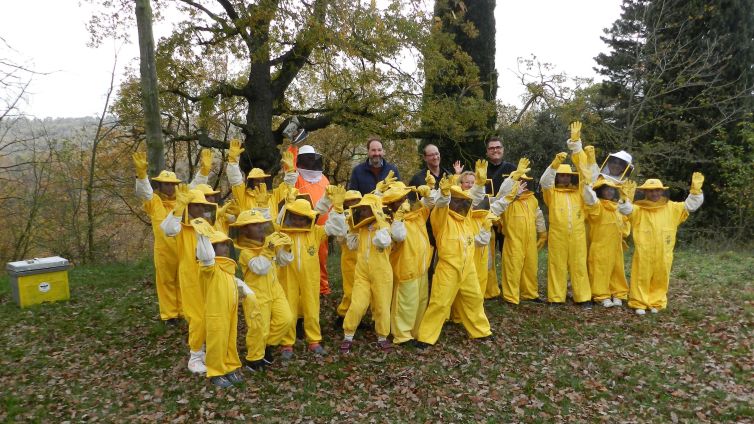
(640, 311)
(607, 303)
(653, 310)
(196, 362)
(617, 302)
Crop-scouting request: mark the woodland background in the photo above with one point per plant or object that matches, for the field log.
(677, 94)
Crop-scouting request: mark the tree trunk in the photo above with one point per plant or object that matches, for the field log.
(148, 68)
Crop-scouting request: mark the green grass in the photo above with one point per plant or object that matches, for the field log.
(104, 355)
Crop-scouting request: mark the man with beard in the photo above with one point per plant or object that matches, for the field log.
(366, 175)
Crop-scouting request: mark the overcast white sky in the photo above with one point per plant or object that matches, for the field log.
(563, 33)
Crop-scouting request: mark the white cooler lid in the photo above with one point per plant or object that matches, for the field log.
(36, 264)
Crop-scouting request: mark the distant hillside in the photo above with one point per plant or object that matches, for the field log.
(47, 128)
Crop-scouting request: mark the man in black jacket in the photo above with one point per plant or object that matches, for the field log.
(497, 169)
(431, 163)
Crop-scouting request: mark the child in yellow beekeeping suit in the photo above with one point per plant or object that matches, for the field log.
(257, 181)
(348, 245)
(190, 204)
(373, 277)
(654, 223)
(525, 233)
(217, 273)
(410, 257)
(300, 279)
(607, 228)
(566, 252)
(165, 248)
(262, 251)
(455, 274)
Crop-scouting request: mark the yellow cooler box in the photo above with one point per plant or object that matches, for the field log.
(39, 280)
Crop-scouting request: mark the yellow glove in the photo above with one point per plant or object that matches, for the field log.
(445, 184)
(401, 212)
(455, 178)
(337, 195)
(430, 180)
(202, 227)
(182, 198)
(206, 162)
(140, 164)
(278, 239)
(541, 240)
(575, 128)
(290, 196)
(511, 196)
(697, 179)
(480, 172)
(383, 185)
(590, 158)
(424, 191)
(261, 195)
(235, 151)
(287, 162)
(232, 209)
(559, 158)
(523, 168)
(628, 189)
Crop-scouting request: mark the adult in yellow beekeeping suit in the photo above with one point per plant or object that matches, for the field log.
(300, 279)
(165, 256)
(190, 204)
(654, 223)
(373, 277)
(567, 237)
(455, 274)
(262, 251)
(348, 245)
(254, 193)
(524, 227)
(607, 228)
(217, 273)
(410, 257)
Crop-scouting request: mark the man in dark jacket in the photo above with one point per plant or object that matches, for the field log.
(432, 163)
(366, 175)
(497, 169)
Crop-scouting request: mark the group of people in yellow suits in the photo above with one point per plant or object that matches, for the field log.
(273, 239)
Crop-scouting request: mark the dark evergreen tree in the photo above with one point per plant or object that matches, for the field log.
(679, 77)
(458, 110)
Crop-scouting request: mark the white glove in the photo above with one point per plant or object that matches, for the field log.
(590, 197)
(260, 265)
(204, 251)
(243, 288)
(694, 202)
(574, 146)
(382, 238)
(336, 224)
(352, 241)
(290, 178)
(234, 174)
(625, 207)
(198, 179)
(171, 225)
(283, 257)
(539, 221)
(143, 189)
(483, 238)
(398, 231)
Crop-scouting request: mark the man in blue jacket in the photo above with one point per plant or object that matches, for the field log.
(366, 175)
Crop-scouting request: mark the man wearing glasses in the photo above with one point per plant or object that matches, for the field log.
(497, 169)
(432, 163)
